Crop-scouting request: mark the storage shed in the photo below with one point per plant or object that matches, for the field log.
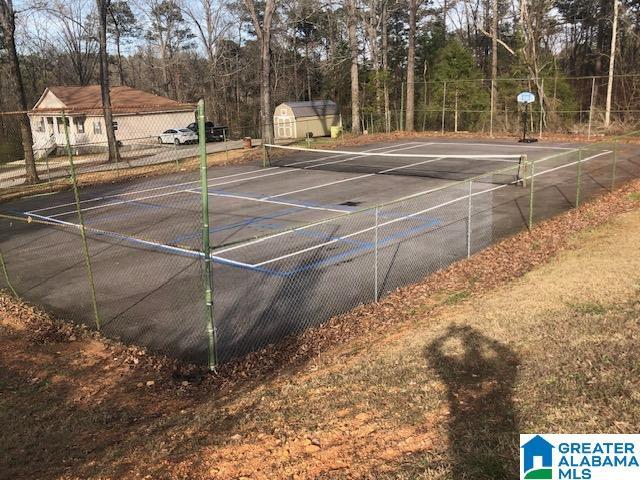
(297, 119)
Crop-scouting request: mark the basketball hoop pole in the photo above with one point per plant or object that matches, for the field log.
(525, 116)
(526, 98)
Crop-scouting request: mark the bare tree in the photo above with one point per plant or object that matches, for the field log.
(121, 26)
(263, 32)
(352, 19)
(612, 60)
(8, 29)
(411, 65)
(103, 8)
(208, 20)
(77, 37)
(168, 32)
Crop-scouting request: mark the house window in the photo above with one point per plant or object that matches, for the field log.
(79, 123)
(40, 125)
(60, 125)
(97, 127)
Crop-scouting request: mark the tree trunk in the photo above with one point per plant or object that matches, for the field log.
(355, 83)
(103, 7)
(385, 67)
(8, 28)
(265, 87)
(263, 32)
(120, 70)
(494, 62)
(411, 68)
(612, 59)
(306, 54)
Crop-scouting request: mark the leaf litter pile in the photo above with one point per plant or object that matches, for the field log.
(77, 405)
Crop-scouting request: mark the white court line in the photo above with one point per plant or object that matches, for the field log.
(314, 247)
(113, 204)
(572, 163)
(117, 195)
(542, 147)
(353, 157)
(328, 184)
(342, 153)
(266, 200)
(397, 155)
(148, 243)
(336, 182)
(106, 197)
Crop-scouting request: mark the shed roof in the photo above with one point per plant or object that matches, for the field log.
(313, 108)
(123, 98)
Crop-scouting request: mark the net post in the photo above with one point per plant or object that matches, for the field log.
(212, 359)
(85, 245)
(5, 272)
(615, 160)
(522, 170)
(469, 218)
(375, 256)
(578, 175)
(531, 180)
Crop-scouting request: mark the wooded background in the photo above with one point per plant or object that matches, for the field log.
(389, 64)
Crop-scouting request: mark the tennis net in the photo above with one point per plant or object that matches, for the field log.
(498, 169)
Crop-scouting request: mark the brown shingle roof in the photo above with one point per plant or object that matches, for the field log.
(122, 99)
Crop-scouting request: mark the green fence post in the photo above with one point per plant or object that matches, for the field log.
(6, 276)
(615, 159)
(85, 246)
(208, 289)
(578, 174)
(531, 180)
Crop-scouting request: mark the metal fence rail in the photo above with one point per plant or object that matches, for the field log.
(138, 263)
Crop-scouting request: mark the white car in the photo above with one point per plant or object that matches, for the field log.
(178, 136)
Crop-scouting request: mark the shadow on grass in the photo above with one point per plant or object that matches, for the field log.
(479, 374)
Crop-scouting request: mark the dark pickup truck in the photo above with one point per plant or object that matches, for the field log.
(213, 133)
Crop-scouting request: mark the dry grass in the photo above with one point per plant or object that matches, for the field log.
(537, 333)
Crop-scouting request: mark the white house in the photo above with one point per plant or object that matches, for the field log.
(139, 117)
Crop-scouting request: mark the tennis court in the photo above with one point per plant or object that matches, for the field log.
(310, 235)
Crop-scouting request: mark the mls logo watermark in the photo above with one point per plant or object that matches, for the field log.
(579, 457)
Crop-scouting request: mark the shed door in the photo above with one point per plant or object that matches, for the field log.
(284, 126)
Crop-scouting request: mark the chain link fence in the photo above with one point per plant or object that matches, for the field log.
(564, 105)
(147, 262)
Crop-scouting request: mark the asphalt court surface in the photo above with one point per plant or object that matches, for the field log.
(274, 233)
(250, 201)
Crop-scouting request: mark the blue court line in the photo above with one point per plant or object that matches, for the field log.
(243, 223)
(257, 219)
(264, 196)
(361, 246)
(315, 234)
